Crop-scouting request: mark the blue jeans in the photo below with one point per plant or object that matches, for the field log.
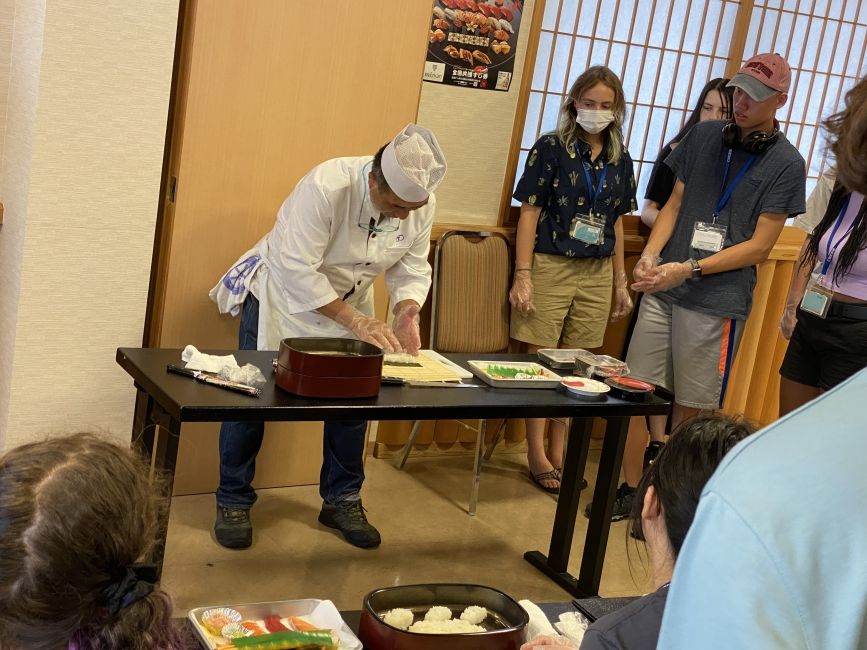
(342, 470)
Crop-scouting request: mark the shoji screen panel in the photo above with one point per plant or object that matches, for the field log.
(824, 41)
(663, 50)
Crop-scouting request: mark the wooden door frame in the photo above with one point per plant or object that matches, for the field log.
(165, 205)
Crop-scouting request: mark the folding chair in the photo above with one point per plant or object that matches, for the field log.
(470, 288)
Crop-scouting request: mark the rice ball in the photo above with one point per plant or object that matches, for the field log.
(438, 613)
(474, 614)
(399, 618)
(451, 626)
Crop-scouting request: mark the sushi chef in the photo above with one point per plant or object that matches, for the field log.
(347, 221)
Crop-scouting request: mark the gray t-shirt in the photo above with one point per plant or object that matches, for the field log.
(633, 627)
(776, 183)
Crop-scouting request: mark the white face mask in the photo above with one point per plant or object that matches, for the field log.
(593, 121)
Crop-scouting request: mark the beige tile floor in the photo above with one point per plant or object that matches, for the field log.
(427, 537)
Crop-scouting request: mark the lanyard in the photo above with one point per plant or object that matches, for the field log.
(726, 192)
(830, 251)
(590, 193)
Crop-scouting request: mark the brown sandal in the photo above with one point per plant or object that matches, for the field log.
(552, 475)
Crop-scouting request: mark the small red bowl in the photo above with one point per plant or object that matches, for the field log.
(630, 389)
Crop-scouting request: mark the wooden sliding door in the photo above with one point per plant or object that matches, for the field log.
(266, 90)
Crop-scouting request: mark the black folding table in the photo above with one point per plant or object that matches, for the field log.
(167, 400)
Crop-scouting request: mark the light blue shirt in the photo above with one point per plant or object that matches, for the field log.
(777, 555)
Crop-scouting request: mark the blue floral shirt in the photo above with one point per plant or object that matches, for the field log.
(554, 180)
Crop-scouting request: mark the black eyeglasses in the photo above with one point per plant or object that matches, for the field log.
(371, 226)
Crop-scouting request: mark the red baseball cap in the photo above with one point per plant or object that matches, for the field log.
(763, 76)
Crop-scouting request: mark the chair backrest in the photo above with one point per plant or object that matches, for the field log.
(470, 306)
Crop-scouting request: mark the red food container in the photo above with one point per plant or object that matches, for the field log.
(630, 389)
(329, 367)
(505, 623)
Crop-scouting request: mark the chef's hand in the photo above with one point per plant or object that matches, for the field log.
(521, 294)
(406, 326)
(622, 299)
(547, 642)
(645, 266)
(367, 329)
(789, 320)
(664, 277)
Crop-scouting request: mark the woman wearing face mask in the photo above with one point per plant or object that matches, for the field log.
(577, 182)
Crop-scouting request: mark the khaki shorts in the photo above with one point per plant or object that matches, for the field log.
(686, 352)
(573, 302)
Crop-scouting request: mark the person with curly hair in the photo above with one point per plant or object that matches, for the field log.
(79, 517)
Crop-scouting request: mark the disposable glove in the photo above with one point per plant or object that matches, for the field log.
(521, 294)
(622, 299)
(664, 277)
(367, 329)
(646, 264)
(406, 327)
(549, 643)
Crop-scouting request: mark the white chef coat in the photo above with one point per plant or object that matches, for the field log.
(318, 251)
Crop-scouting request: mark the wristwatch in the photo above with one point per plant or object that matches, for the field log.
(696, 269)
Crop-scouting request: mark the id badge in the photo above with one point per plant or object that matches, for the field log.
(817, 298)
(588, 230)
(708, 236)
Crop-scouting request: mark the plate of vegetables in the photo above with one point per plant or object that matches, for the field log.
(310, 624)
(515, 374)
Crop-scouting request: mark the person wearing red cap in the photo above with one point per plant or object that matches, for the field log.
(737, 183)
(347, 221)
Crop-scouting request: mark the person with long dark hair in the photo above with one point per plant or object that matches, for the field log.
(577, 183)
(829, 341)
(79, 517)
(714, 103)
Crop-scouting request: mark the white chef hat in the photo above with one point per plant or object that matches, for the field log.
(413, 163)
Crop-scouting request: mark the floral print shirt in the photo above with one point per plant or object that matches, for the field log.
(553, 179)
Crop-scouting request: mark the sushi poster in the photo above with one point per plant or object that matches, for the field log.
(472, 43)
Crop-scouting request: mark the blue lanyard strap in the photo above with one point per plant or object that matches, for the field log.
(829, 250)
(726, 192)
(590, 193)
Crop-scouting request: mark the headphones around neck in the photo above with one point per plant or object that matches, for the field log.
(755, 142)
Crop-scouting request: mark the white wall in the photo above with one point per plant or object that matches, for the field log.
(7, 17)
(19, 96)
(82, 159)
